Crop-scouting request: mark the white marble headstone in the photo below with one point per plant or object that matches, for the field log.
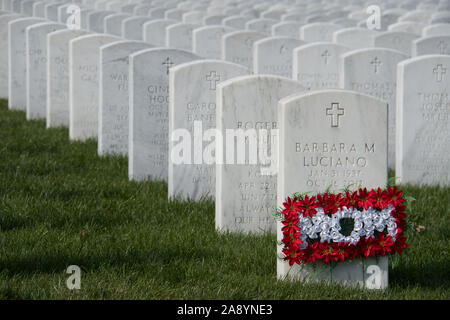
(260, 25)
(236, 22)
(114, 98)
(36, 65)
(154, 31)
(318, 32)
(330, 139)
(273, 55)
(132, 27)
(408, 27)
(179, 36)
(246, 189)
(400, 41)
(4, 52)
(149, 107)
(286, 29)
(17, 84)
(112, 24)
(95, 20)
(423, 126)
(207, 41)
(440, 29)
(374, 72)
(316, 65)
(193, 104)
(58, 76)
(174, 14)
(354, 38)
(84, 62)
(431, 45)
(237, 47)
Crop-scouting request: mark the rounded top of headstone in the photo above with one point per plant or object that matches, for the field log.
(373, 51)
(258, 77)
(125, 43)
(212, 62)
(423, 58)
(321, 44)
(338, 92)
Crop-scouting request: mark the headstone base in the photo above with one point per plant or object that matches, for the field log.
(369, 273)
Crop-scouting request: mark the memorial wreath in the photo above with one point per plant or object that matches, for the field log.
(338, 227)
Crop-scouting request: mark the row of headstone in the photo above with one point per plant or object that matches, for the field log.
(209, 127)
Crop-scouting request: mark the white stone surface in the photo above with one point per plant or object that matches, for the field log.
(408, 27)
(236, 22)
(215, 19)
(286, 29)
(431, 45)
(58, 76)
(149, 107)
(237, 47)
(260, 25)
(95, 20)
(374, 72)
(17, 84)
(114, 98)
(112, 24)
(354, 38)
(273, 55)
(400, 41)
(423, 127)
(193, 98)
(207, 41)
(318, 32)
(4, 52)
(316, 65)
(330, 139)
(132, 27)
(84, 62)
(39, 9)
(36, 68)
(154, 31)
(179, 36)
(246, 194)
(174, 14)
(440, 29)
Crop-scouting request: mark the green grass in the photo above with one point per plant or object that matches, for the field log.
(61, 205)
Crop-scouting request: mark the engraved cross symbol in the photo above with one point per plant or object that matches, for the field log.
(213, 78)
(442, 46)
(439, 71)
(335, 111)
(376, 63)
(326, 55)
(168, 63)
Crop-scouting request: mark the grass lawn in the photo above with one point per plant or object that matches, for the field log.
(61, 205)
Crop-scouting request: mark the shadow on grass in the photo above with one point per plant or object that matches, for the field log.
(432, 275)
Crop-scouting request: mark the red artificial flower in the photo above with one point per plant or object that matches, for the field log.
(369, 247)
(341, 251)
(352, 198)
(322, 200)
(364, 199)
(400, 244)
(290, 206)
(379, 199)
(324, 252)
(384, 244)
(395, 196)
(307, 206)
(292, 255)
(335, 202)
(327, 252)
(291, 225)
